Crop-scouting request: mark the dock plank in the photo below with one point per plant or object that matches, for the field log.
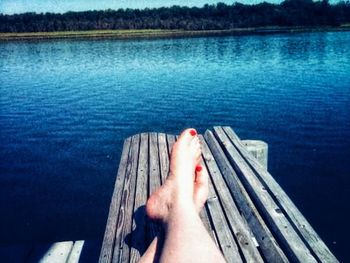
(277, 220)
(121, 250)
(238, 226)
(247, 213)
(75, 253)
(268, 245)
(320, 249)
(129, 201)
(110, 232)
(154, 181)
(138, 239)
(57, 253)
(163, 156)
(171, 140)
(224, 235)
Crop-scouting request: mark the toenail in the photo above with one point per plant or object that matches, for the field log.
(193, 132)
(198, 168)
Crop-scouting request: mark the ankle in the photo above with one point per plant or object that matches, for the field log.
(180, 212)
(182, 205)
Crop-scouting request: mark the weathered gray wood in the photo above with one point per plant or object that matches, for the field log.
(154, 180)
(154, 168)
(268, 245)
(57, 253)
(171, 140)
(138, 239)
(259, 150)
(129, 194)
(221, 217)
(240, 229)
(225, 238)
(204, 214)
(110, 232)
(121, 250)
(74, 255)
(298, 220)
(276, 219)
(163, 156)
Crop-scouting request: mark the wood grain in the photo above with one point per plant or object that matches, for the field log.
(110, 232)
(299, 222)
(277, 220)
(267, 243)
(138, 239)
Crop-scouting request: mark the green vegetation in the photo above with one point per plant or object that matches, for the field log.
(87, 33)
(160, 33)
(289, 16)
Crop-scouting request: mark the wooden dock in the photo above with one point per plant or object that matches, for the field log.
(55, 252)
(248, 215)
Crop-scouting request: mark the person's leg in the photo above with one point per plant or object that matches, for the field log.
(200, 195)
(152, 253)
(186, 239)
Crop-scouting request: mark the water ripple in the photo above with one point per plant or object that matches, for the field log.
(66, 106)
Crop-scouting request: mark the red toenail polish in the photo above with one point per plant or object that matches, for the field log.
(198, 168)
(193, 132)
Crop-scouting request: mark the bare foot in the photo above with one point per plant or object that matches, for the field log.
(159, 203)
(200, 192)
(186, 184)
(177, 203)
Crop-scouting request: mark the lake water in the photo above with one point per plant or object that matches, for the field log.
(67, 105)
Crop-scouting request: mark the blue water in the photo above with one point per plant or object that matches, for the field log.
(66, 106)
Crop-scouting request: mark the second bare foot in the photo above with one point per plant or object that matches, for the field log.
(185, 186)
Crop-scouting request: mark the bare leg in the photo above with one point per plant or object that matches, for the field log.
(200, 195)
(186, 239)
(152, 253)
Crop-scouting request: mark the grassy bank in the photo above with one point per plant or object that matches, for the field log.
(159, 33)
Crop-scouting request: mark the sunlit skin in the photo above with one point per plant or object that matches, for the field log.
(177, 204)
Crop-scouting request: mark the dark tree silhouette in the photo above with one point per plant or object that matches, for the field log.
(219, 16)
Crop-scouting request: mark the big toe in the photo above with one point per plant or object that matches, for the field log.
(187, 135)
(201, 186)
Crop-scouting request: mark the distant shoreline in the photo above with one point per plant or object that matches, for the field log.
(160, 33)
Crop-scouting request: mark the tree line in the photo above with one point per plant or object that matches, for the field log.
(209, 17)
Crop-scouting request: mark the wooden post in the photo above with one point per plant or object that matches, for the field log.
(259, 149)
